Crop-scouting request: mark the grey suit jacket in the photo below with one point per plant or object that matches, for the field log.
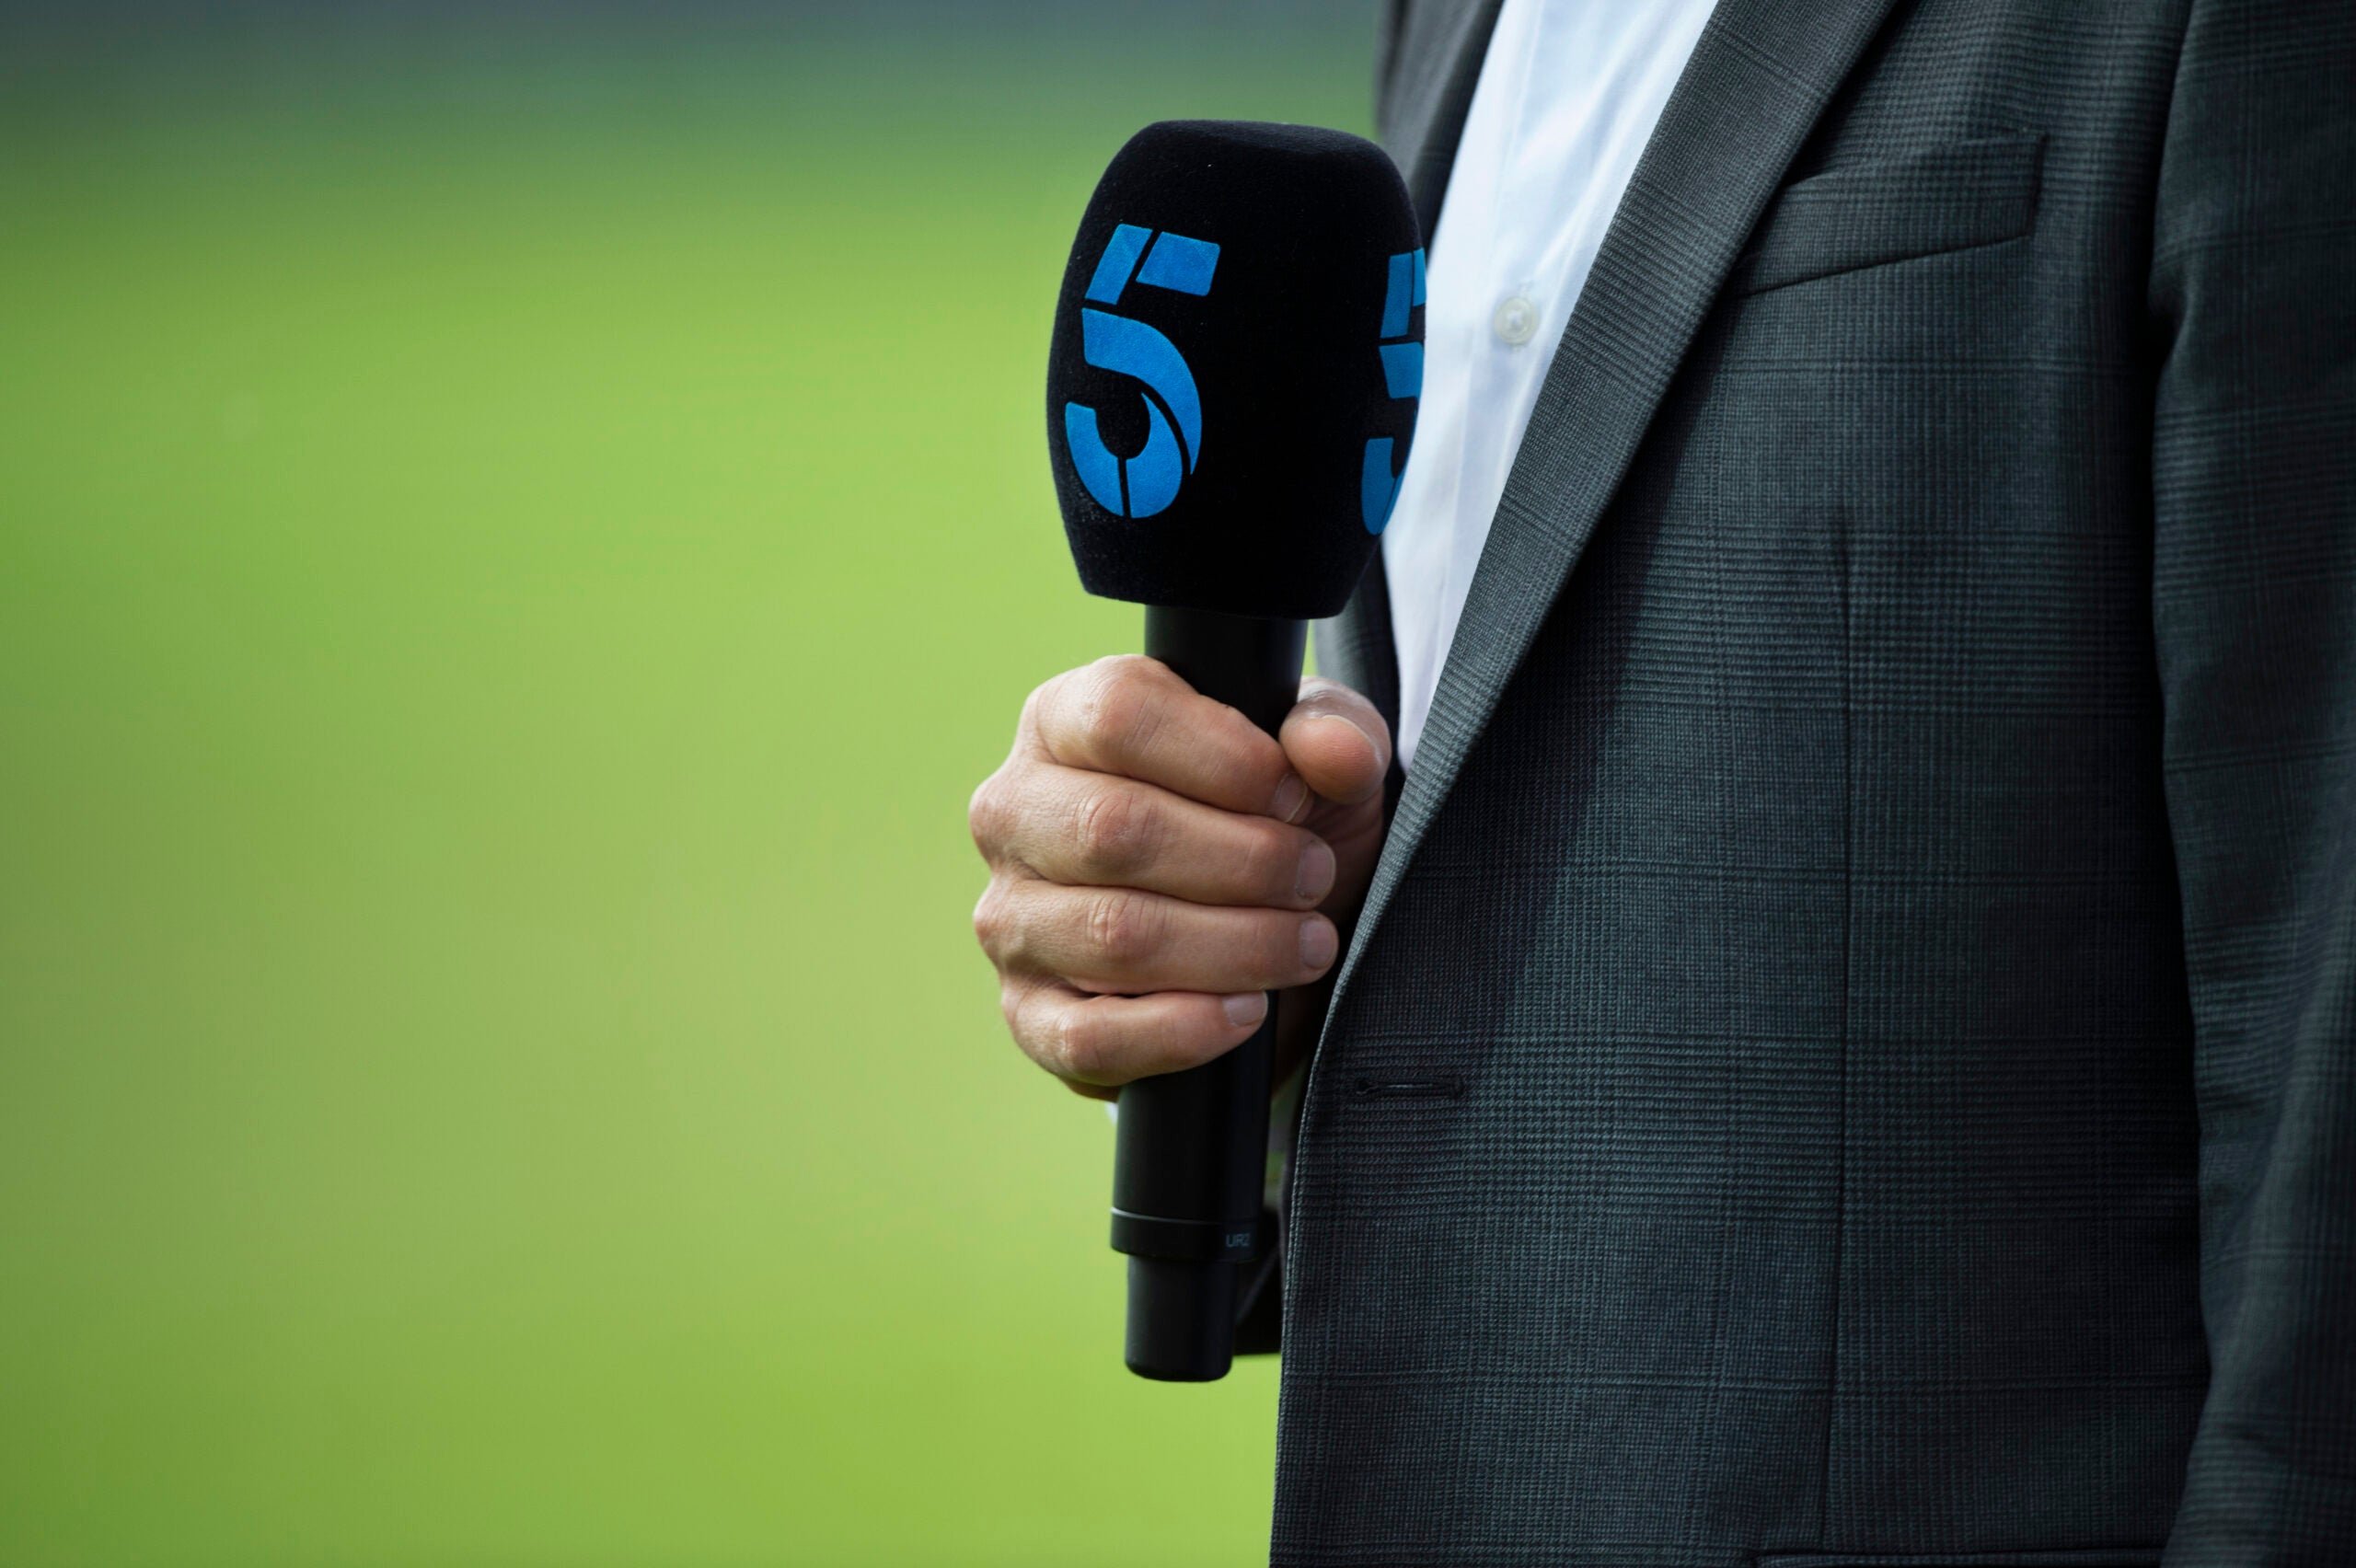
(1850, 1056)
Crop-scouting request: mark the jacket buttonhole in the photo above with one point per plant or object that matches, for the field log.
(1426, 1086)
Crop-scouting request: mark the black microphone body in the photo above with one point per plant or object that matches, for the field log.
(1191, 1148)
(1231, 389)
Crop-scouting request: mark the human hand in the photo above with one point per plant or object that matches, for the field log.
(1158, 863)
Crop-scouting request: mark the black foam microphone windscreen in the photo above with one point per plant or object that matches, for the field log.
(1236, 355)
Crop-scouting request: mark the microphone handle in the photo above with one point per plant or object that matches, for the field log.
(1191, 1148)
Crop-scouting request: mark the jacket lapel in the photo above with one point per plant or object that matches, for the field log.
(1762, 73)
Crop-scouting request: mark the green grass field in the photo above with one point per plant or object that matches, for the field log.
(511, 561)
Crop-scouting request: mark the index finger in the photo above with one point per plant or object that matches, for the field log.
(1131, 716)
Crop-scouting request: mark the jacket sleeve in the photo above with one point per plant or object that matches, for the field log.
(2253, 299)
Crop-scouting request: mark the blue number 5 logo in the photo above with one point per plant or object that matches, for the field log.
(1402, 377)
(1142, 485)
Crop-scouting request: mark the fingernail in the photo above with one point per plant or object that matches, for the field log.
(1246, 1007)
(1316, 876)
(1291, 795)
(1317, 940)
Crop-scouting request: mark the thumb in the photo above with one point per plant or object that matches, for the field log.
(1337, 743)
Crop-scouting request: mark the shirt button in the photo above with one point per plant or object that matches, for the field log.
(1516, 319)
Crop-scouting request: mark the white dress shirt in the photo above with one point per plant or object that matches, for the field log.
(1569, 92)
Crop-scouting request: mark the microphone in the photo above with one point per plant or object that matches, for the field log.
(1231, 388)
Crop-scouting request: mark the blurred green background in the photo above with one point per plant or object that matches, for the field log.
(519, 530)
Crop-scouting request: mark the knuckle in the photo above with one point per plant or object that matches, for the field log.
(1043, 712)
(1122, 929)
(1031, 1019)
(1121, 707)
(1114, 830)
(993, 923)
(986, 813)
(1045, 698)
(1133, 670)
(1085, 1048)
(1108, 707)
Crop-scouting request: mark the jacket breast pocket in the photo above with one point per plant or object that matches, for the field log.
(1872, 212)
